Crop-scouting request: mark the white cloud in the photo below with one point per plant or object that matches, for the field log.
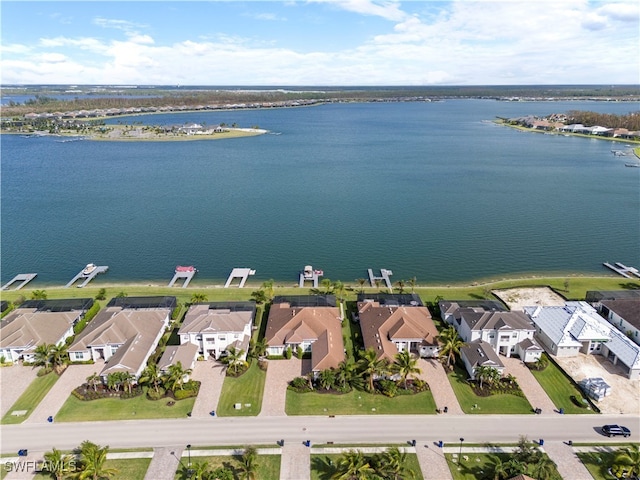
(386, 9)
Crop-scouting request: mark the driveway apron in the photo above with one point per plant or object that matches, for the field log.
(14, 380)
(295, 462)
(211, 375)
(536, 395)
(434, 374)
(569, 465)
(433, 463)
(279, 374)
(72, 377)
(164, 463)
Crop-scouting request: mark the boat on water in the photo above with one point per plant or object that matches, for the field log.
(309, 272)
(637, 165)
(89, 269)
(182, 269)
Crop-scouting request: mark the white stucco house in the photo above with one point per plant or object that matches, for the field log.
(624, 314)
(216, 326)
(480, 354)
(508, 333)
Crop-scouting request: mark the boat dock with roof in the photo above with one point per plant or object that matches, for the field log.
(242, 274)
(87, 274)
(621, 269)
(183, 273)
(384, 277)
(23, 278)
(310, 275)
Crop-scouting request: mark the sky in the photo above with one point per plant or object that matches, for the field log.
(320, 42)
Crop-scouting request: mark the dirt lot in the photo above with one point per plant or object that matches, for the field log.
(625, 393)
(518, 298)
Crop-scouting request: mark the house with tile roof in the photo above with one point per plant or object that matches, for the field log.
(508, 333)
(38, 322)
(216, 326)
(577, 327)
(393, 323)
(185, 353)
(311, 322)
(124, 334)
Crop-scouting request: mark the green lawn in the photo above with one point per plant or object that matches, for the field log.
(246, 390)
(322, 466)
(268, 465)
(358, 403)
(31, 397)
(479, 465)
(578, 286)
(559, 388)
(597, 463)
(494, 404)
(128, 469)
(75, 410)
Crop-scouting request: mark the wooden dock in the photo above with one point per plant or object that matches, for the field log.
(24, 278)
(186, 277)
(242, 274)
(621, 269)
(314, 278)
(86, 277)
(384, 277)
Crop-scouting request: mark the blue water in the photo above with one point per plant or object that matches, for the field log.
(431, 190)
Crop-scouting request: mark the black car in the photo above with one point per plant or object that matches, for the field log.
(615, 430)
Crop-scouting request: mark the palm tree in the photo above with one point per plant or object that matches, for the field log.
(499, 469)
(58, 463)
(151, 376)
(114, 380)
(544, 468)
(361, 282)
(128, 380)
(198, 298)
(400, 285)
(38, 295)
(59, 357)
(412, 283)
(234, 359)
(248, 466)
(327, 378)
(338, 287)
(93, 380)
(268, 288)
(352, 465)
(370, 365)
(199, 470)
(404, 365)
(175, 375)
(451, 343)
(346, 372)
(482, 372)
(327, 285)
(93, 458)
(42, 355)
(260, 347)
(393, 465)
(627, 460)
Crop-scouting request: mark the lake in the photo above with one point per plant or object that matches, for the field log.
(432, 190)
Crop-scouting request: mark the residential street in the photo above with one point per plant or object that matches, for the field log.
(347, 429)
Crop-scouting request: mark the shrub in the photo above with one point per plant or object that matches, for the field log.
(287, 353)
(182, 394)
(153, 395)
(389, 388)
(420, 385)
(300, 385)
(135, 392)
(44, 371)
(579, 402)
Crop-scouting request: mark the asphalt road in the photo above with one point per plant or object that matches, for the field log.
(347, 429)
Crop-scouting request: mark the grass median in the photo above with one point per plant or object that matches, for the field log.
(30, 399)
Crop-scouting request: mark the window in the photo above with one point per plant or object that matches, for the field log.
(223, 339)
(198, 337)
(78, 355)
(210, 339)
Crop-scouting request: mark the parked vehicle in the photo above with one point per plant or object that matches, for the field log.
(615, 431)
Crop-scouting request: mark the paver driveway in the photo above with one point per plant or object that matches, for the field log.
(434, 374)
(72, 377)
(536, 395)
(279, 374)
(14, 380)
(210, 374)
